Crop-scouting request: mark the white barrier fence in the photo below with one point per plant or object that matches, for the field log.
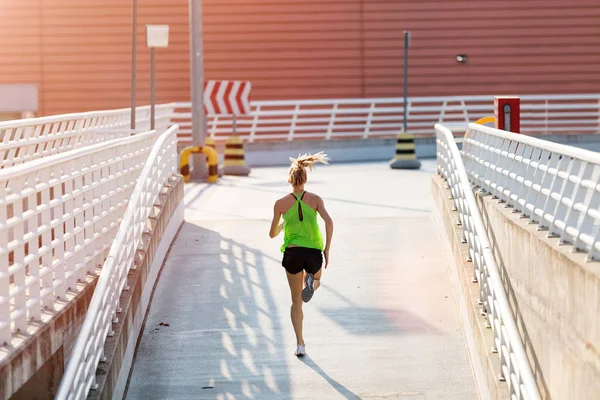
(553, 185)
(515, 368)
(58, 217)
(30, 139)
(373, 118)
(80, 374)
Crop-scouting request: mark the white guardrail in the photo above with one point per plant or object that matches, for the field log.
(553, 185)
(80, 374)
(377, 118)
(33, 138)
(515, 368)
(58, 218)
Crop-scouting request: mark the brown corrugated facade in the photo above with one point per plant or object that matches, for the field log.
(78, 52)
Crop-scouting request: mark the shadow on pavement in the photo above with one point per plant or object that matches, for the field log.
(341, 389)
(212, 331)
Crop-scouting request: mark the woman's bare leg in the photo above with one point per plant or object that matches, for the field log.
(295, 282)
(317, 282)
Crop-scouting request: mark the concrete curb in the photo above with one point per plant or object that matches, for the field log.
(119, 349)
(479, 338)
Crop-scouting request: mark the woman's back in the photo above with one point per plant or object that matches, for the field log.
(301, 227)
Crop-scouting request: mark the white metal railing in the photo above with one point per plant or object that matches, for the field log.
(369, 118)
(555, 186)
(80, 373)
(515, 367)
(33, 138)
(58, 216)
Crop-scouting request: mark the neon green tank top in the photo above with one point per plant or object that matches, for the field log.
(300, 226)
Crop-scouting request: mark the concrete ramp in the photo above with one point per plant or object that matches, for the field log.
(384, 324)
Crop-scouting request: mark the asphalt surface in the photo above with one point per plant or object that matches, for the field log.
(382, 326)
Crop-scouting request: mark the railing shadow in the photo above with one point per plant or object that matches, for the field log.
(224, 333)
(512, 300)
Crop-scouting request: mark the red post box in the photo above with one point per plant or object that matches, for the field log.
(508, 113)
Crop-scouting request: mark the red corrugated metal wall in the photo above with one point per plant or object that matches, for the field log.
(78, 51)
(288, 49)
(513, 46)
(345, 48)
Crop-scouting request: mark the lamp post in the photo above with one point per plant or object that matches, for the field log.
(133, 60)
(157, 36)
(405, 95)
(199, 171)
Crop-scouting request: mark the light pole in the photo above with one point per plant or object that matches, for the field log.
(157, 36)
(133, 60)
(405, 106)
(200, 171)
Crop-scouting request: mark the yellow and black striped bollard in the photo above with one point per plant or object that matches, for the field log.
(235, 163)
(405, 158)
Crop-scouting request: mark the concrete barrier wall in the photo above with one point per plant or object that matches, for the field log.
(164, 223)
(555, 294)
(34, 370)
(354, 150)
(479, 338)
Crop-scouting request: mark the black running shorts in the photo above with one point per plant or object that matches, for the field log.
(296, 259)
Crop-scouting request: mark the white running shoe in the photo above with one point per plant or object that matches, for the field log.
(309, 288)
(300, 351)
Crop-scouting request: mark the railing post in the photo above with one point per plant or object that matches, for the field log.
(598, 116)
(463, 105)
(408, 109)
(19, 276)
(213, 127)
(293, 124)
(546, 119)
(369, 121)
(5, 331)
(331, 122)
(254, 124)
(442, 112)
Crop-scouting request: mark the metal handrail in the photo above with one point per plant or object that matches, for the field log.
(554, 185)
(80, 373)
(77, 116)
(515, 366)
(382, 117)
(22, 141)
(58, 216)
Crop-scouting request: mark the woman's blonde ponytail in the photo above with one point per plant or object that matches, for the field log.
(297, 174)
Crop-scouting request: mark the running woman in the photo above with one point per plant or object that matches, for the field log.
(302, 241)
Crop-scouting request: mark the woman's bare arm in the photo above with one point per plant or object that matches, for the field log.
(276, 228)
(328, 228)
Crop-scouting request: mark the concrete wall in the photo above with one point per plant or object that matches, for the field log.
(278, 153)
(554, 294)
(261, 154)
(34, 370)
(164, 223)
(479, 338)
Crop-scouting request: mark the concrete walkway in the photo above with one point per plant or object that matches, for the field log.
(383, 325)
